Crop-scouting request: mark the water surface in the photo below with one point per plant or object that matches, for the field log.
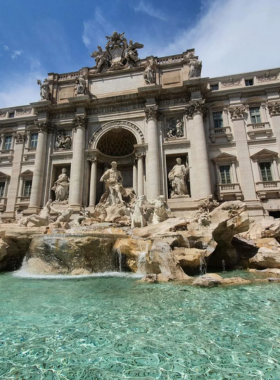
(116, 328)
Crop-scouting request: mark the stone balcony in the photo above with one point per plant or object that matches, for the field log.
(229, 191)
(22, 202)
(220, 133)
(259, 130)
(269, 187)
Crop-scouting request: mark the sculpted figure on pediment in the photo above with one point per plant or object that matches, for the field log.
(44, 89)
(195, 66)
(130, 52)
(81, 85)
(101, 57)
(150, 70)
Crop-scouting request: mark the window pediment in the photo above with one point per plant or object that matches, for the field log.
(4, 175)
(224, 157)
(26, 173)
(264, 154)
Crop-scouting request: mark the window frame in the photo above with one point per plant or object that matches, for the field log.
(11, 143)
(270, 168)
(249, 82)
(218, 120)
(214, 87)
(254, 115)
(30, 141)
(24, 187)
(229, 180)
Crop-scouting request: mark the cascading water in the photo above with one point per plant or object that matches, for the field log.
(224, 266)
(141, 263)
(203, 265)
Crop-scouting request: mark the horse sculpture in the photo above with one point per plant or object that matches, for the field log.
(137, 216)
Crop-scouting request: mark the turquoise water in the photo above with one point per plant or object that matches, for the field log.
(117, 328)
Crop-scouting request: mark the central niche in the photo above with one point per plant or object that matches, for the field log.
(117, 142)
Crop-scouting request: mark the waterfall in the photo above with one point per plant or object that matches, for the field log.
(141, 263)
(203, 265)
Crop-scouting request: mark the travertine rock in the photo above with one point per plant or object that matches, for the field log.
(132, 249)
(189, 258)
(155, 230)
(208, 280)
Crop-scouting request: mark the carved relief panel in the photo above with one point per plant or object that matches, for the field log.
(174, 128)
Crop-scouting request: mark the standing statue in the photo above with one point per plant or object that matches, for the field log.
(61, 187)
(195, 67)
(100, 58)
(161, 210)
(113, 182)
(44, 89)
(150, 70)
(177, 177)
(179, 128)
(137, 216)
(81, 85)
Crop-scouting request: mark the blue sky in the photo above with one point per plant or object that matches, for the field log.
(38, 37)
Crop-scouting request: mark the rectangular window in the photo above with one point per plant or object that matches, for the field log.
(214, 87)
(34, 140)
(11, 114)
(266, 173)
(225, 173)
(249, 82)
(218, 119)
(255, 115)
(2, 189)
(8, 143)
(27, 188)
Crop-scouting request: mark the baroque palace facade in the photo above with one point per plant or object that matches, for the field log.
(143, 114)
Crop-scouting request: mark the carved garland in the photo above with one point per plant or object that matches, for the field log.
(115, 124)
(237, 112)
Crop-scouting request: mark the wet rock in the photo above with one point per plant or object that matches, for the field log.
(132, 249)
(80, 272)
(235, 281)
(37, 266)
(266, 271)
(208, 280)
(263, 228)
(152, 278)
(268, 255)
(154, 230)
(190, 258)
(273, 279)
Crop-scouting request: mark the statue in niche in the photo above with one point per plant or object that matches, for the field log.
(195, 66)
(44, 89)
(177, 177)
(101, 57)
(61, 187)
(63, 141)
(161, 210)
(175, 128)
(113, 183)
(81, 85)
(150, 70)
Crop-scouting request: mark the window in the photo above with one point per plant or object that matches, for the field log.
(11, 114)
(8, 143)
(34, 140)
(27, 188)
(214, 87)
(218, 119)
(225, 173)
(2, 189)
(266, 174)
(255, 115)
(249, 82)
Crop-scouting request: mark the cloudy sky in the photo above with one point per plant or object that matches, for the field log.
(38, 37)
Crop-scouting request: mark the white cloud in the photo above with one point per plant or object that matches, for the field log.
(233, 36)
(16, 54)
(6, 47)
(150, 10)
(95, 30)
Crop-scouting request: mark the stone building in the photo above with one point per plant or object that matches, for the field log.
(143, 114)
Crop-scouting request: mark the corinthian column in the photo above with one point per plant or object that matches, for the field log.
(77, 165)
(200, 165)
(140, 174)
(274, 111)
(93, 179)
(245, 167)
(152, 161)
(39, 168)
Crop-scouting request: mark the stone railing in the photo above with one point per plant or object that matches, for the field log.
(267, 187)
(231, 189)
(217, 133)
(171, 59)
(259, 129)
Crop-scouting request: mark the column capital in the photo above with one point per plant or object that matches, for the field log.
(151, 112)
(237, 112)
(196, 107)
(79, 121)
(44, 126)
(20, 137)
(274, 108)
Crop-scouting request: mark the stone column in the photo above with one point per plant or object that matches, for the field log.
(134, 178)
(274, 111)
(245, 167)
(153, 165)
(202, 186)
(19, 139)
(93, 179)
(140, 173)
(39, 168)
(78, 162)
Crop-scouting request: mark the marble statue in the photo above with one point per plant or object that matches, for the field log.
(63, 141)
(44, 89)
(137, 216)
(179, 128)
(100, 58)
(195, 66)
(40, 220)
(113, 182)
(64, 216)
(177, 177)
(61, 187)
(150, 70)
(161, 210)
(175, 128)
(81, 85)
(130, 52)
